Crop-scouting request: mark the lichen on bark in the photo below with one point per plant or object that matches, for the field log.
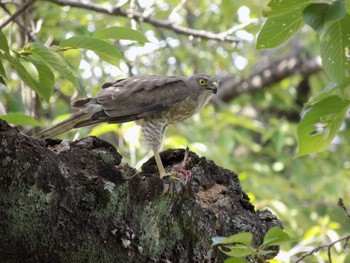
(77, 202)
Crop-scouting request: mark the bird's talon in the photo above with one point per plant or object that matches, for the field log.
(166, 178)
(180, 169)
(171, 176)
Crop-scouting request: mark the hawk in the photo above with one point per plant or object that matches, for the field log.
(152, 101)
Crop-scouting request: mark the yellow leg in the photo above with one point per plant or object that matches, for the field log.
(159, 163)
(186, 156)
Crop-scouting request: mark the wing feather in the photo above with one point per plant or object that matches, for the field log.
(141, 95)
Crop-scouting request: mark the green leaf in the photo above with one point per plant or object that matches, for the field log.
(111, 59)
(242, 238)
(237, 250)
(320, 124)
(2, 70)
(34, 73)
(285, 19)
(55, 61)
(41, 77)
(236, 260)
(120, 33)
(103, 49)
(3, 43)
(24, 72)
(316, 15)
(331, 89)
(335, 50)
(45, 78)
(347, 6)
(20, 119)
(73, 57)
(282, 7)
(275, 236)
(266, 12)
(336, 10)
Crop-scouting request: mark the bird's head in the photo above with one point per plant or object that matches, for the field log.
(202, 87)
(202, 83)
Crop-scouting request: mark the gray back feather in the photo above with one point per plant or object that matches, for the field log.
(142, 95)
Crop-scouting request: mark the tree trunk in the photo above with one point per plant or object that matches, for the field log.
(76, 202)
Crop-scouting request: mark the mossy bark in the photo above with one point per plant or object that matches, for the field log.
(76, 202)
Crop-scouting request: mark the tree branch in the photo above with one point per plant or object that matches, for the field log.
(233, 86)
(76, 201)
(342, 205)
(118, 11)
(328, 246)
(331, 244)
(15, 15)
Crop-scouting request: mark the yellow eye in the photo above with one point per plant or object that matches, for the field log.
(203, 82)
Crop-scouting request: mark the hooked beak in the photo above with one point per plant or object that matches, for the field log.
(214, 87)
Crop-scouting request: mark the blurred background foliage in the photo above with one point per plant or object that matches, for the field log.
(254, 134)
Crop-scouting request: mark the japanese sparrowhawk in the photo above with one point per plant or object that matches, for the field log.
(153, 101)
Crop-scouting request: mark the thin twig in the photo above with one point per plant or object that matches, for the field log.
(177, 9)
(15, 15)
(328, 246)
(342, 205)
(116, 10)
(238, 27)
(20, 25)
(331, 244)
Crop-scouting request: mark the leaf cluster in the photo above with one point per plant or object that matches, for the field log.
(58, 58)
(324, 114)
(37, 64)
(238, 247)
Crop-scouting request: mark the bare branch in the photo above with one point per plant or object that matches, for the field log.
(328, 246)
(177, 9)
(233, 86)
(118, 11)
(342, 205)
(331, 244)
(20, 25)
(15, 15)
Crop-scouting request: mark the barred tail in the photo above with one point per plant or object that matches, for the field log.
(74, 121)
